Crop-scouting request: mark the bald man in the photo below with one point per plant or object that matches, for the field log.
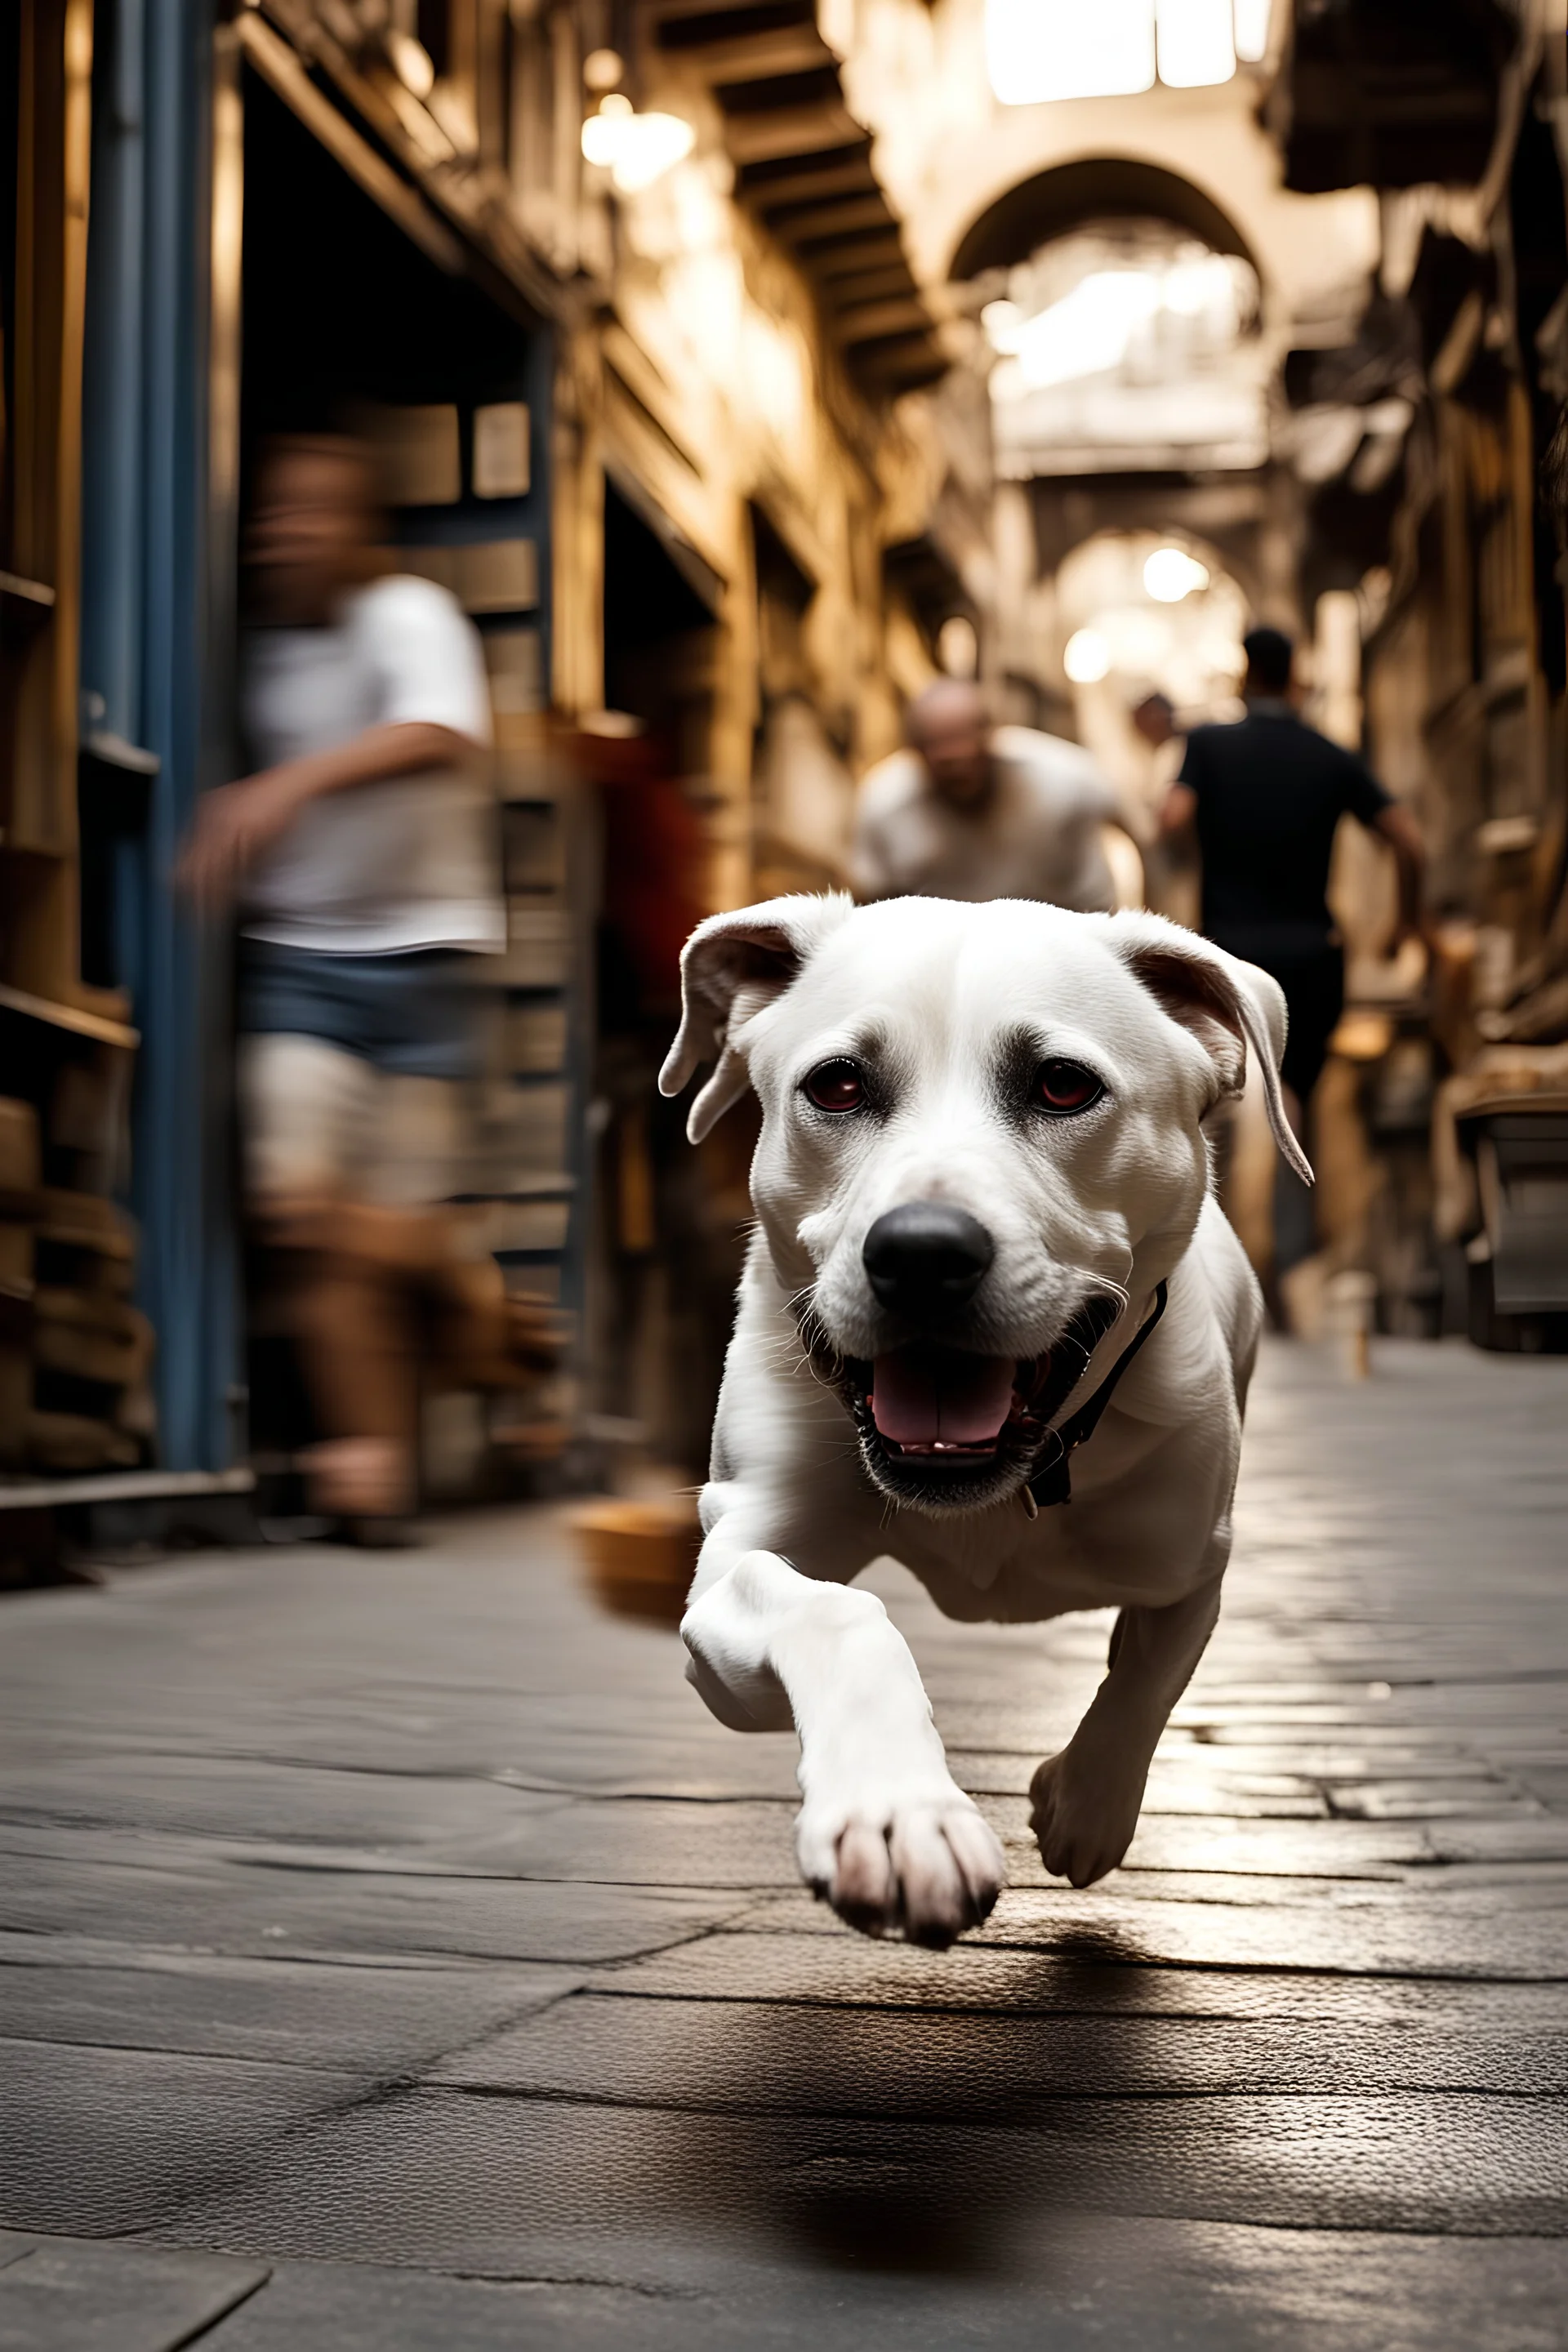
(973, 810)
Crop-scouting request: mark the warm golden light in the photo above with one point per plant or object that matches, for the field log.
(1171, 574)
(634, 149)
(1086, 659)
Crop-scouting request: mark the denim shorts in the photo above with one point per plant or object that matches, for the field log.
(415, 1016)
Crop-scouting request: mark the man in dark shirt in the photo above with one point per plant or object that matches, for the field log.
(1265, 796)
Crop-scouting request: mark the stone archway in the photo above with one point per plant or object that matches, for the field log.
(1126, 312)
(1053, 203)
(1129, 388)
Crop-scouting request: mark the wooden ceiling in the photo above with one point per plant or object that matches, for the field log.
(1394, 92)
(803, 166)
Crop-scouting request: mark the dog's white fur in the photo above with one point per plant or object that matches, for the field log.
(936, 995)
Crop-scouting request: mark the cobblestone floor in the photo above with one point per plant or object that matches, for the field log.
(393, 1954)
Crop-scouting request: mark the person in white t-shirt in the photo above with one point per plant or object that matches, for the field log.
(364, 861)
(973, 810)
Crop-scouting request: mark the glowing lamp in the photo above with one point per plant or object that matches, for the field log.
(1171, 574)
(1086, 659)
(634, 149)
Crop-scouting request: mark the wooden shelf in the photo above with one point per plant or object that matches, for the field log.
(113, 751)
(1546, 1102)
(560, 1185)
(24, 1494)
(80, 1024)
(35, 593)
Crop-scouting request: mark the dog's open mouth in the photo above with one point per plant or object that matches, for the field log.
(945, 1427)
(948, 1430)
(941, 1405)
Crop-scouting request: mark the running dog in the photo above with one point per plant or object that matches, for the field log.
(987, 1248)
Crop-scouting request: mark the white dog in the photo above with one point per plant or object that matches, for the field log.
(984, 1200)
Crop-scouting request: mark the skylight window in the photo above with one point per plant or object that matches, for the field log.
(1195, 42)
(1039, 50)
(1252, 19)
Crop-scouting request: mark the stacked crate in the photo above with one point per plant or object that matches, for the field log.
(525, 1176)
(464, 479)
(467, 480)
(75, 1353)
(526, 1147)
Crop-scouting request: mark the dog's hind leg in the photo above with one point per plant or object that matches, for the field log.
(885, 1833)
(1086, 1801)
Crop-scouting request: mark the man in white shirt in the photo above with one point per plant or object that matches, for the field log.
(973, 810)
(364, 861)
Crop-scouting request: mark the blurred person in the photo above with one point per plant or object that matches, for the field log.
(1263, 795)
(1170, 862)
(1156, 721)
(973, 810)
(363, 858)
(1164, 744)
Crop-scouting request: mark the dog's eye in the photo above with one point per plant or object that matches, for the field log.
(835, 1086)
(1063, 1088)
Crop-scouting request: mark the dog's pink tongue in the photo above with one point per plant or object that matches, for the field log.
(926, 1396)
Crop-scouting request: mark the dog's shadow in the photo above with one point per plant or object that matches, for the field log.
(938, 2127)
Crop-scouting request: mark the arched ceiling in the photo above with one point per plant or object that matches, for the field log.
(1093, 188)
(976, 182)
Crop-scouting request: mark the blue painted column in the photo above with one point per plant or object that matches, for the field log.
(155, 648)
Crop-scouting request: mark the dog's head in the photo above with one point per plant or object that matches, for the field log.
(982, 1127)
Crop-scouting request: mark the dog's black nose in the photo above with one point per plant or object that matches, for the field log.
(926, 1260)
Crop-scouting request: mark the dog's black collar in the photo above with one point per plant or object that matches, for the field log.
(1052, 1482)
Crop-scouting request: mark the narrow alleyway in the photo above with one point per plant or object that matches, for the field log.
(396, 1955)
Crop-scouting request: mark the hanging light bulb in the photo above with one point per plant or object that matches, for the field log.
(634, 149)
(603, 69)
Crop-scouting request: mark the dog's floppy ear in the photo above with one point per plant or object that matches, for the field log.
(730, 968)
(1226, 1005)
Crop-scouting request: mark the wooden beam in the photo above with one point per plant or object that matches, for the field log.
(794, 226)
(874, 322)
(280, 66)
(676, 12)
(869, 286)
(843, 256)
(789, 180)
(755, 136)
(780, 49)
(906, 360)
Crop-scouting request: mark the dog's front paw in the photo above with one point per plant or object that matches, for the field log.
(925, 1871)
(1084, 1820)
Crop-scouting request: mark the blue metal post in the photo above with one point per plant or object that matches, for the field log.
(146, 651)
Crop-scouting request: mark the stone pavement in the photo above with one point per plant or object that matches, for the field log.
(395, 1954)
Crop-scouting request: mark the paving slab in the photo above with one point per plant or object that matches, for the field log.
(810, 2061)
(224, 1797)
(189, 1901)
(119, 2139)
(66, 2295)
(663, 2196)
(363, 2017)
(1087, 2284)
(1430, 1940)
